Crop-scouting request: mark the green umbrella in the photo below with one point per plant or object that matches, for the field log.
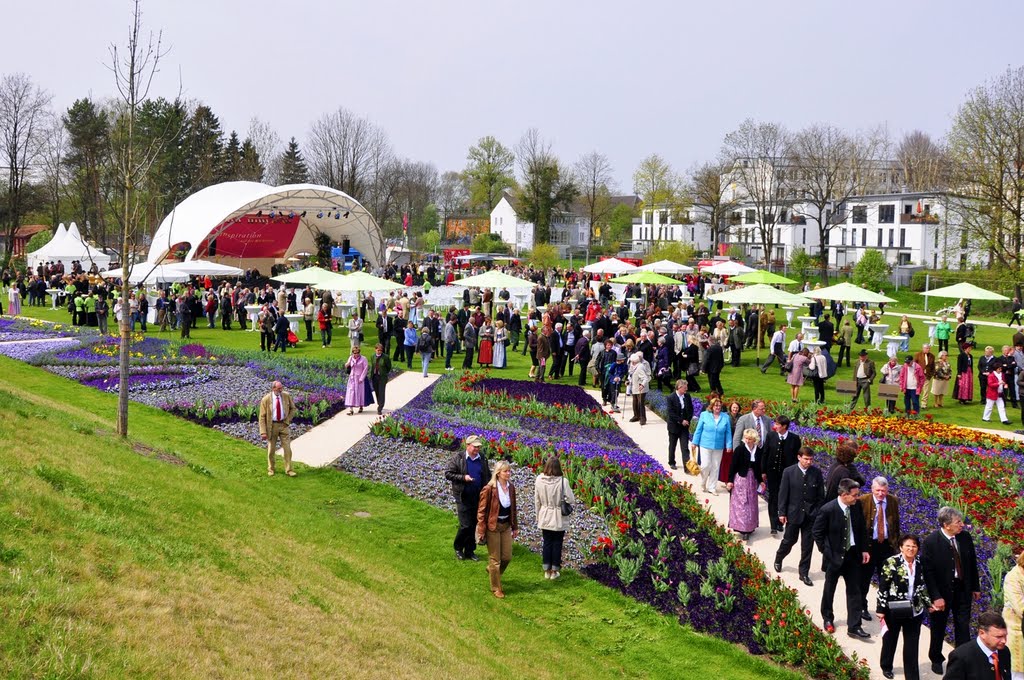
(758, 294)
(845, 292)
(967, 291)
(761, 276)
(494, 279)
(645, 278)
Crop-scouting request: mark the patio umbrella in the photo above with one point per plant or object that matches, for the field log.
(729, 268)
(666, 267)
(758, 294)
(845, 292)
(609, 266)
(309, 275)
(645, 278)
(494, 279)
(204, 268)
(147, 271)
(967, 291)
(358, 281)
(761, 276)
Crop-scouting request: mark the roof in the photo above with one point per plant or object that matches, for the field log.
(30, 230)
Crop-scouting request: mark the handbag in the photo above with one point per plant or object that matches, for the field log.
(900, 610)
(566, 506)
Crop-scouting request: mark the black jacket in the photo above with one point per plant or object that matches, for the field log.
(801, 494)
(714, 359)
(968, 662)
(741, 463)
(836, 474)
(938, 561)
(678, 412)
(456, 473)
(829, 527)
(779, 454)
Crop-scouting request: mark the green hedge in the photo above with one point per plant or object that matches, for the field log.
(986, 278)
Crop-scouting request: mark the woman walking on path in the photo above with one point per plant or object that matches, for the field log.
(639, 382)
(497, 523)
(901, 579)
(355, 389)
(744, 480)
(549, 491)
(425, 345)
(711, 438)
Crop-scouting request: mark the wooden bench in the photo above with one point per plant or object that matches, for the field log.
(846, 387)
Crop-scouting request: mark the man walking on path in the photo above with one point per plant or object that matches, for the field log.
(801, 494)
(841, 536)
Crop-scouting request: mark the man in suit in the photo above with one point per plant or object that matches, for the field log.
(468, 471)
(776, 350)
(277, 409)
(281, 328)
(735, 341)
(801, 494)
(841, 536)
(950, 568)
(882, 514)
(680, 411)
(864, 374)
(469, 344)
(380, 367)
(926, 360)
(755, 420)
(984, 658)
(826, 333)
(780, 452)
(714, 362)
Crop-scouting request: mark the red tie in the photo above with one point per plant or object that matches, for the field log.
(280, 416)
(995, 664)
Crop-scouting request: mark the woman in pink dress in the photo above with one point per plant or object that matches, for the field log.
(796, 373)
(355, 390)
(744, 480)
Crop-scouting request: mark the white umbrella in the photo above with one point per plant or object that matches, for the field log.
(147, 272)
(666, 267)
(609, 266)
(965, 290)
(204, 268)
(729, 268)
(758, 294)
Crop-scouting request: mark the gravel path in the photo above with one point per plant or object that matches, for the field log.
(418, 471)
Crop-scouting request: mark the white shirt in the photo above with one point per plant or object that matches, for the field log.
(794, 346)
(503, 496)
(911, 575)
(278, 404)
(861, 370)
(778, 338)
(911, 377)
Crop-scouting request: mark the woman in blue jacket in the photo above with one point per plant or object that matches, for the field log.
(712, 437)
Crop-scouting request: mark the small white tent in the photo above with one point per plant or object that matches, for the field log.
(67, 246)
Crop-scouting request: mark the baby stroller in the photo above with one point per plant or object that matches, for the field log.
(293, 340)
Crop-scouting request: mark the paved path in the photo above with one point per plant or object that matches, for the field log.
(326, 442)
(653, 439)
(933, 317)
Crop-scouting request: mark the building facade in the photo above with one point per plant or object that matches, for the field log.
(570, 230)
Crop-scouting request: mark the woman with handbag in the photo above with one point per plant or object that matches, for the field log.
(744, 479)
(357, 368)
(796, 376)
(711, 439)
(902, 601)
(553, 499)
(497, 523)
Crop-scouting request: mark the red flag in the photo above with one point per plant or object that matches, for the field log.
(405, 222)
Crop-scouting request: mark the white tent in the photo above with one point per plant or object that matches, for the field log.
(204, 268)
(729, 268)
(68, 246)
(147, 272)
(609, 266)
(666, 267)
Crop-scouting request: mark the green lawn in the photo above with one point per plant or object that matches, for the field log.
(172, 554)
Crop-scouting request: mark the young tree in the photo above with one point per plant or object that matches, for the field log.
(871, 270)
(452, 197)
(710, 195)
(543, 256)
(267, 143)
(292, 167)
(24, 108)
(924, 163)
(546, 188)
(655, 182)
(488, 173)
(593, 173)
(986, 147)
(756, 152)
(620, 227)
(673, 251)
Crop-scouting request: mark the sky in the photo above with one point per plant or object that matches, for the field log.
(626, 79)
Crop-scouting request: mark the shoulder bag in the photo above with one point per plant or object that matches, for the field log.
(900, 610)
(566, 506)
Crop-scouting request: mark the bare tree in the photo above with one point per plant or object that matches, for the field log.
(451, 196)
(827, 167)
(343, 150)
(710, 193)
(53, 161)
(545, 187)
(924, 163)
(593, 173)
(986, 147)
(268, 148)
(24, 113)
(132, 157)
(756, 153)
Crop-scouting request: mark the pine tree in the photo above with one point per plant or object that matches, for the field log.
(205, 146)
(252, 169)
(293, 167)
(231, 163)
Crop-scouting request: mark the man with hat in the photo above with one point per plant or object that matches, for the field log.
(468, 472)
(864, 374)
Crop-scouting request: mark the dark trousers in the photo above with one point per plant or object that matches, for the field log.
(467, 361)
(309, 330)
(449, 350)
(960, 608)
(682, 438)
(911, 640)
(640, 408)
(736, 353)
(819, 389)
(860, 335)
(715, 382)
(844, 350)
(772, 487)
(551, 549)
(943, 345)
(777, 354)
(410, 351)
(879, 552)
(584, 373)
(849, 569)
(465, 538)
(380, 387)
(791, 532)
(863, 386)
(399, 354)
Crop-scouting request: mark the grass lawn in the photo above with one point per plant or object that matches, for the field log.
(172, 554)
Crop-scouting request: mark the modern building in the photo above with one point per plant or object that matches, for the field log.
(665, 223)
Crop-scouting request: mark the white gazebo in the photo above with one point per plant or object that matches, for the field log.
(250, 224)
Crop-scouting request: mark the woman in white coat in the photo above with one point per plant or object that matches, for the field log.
(549, 490)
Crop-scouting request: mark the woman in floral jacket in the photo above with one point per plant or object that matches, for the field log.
(902, 580)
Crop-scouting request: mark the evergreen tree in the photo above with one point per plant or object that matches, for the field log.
(88, 128)
(231, 166)
(251, 169)
(204, 146)
(293, 167)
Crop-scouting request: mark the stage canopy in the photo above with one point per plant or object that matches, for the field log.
(249, 224)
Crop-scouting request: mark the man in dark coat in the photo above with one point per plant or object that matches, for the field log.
(780, 452)
(281, 328)
(714, 362)
(680, 412)
(582, 356)
(841, 536)
(735, 341)
(984, 658)
(826, 332)
(380, 367)
(468, 471)
(950, 568)
(801, 495)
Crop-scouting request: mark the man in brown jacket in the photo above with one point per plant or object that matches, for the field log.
(926, 360)
(882, 517)
(277, 409)
(543, 352)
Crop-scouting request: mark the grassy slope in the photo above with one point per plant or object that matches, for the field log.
(115, 562)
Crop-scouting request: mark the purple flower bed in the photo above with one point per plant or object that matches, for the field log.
(29, 350)
(545, 393)
(147, 379)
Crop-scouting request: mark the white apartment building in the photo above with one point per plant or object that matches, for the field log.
(569, 229)
(665, 224)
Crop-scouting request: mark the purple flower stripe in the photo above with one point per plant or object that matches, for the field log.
(545, 393)
(30, 350)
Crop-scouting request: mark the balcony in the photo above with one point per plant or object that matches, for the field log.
(926, 218)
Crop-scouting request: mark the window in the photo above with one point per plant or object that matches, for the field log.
(805, 236)
(783, 216)
(963, 261)
(892, 234)
(879, 238)
(693, 233)
(903, 258)
(860, 214)
(843, 232)
(935, 236)
(963, 238)
(908, 209)
(734, 217)
(863, 237)
(778, 234)
(749, 218)
(886, 214)
(903, 238)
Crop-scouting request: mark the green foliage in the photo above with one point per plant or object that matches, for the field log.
(424, 221)
(735, 252)
(800, 261)
(488, 173)
(620, 227)
(38, 241)
(543, 256)
(871, 270)
(546, 189)
(673, 251)
(293, 165)
(488, 243)
(431, 240)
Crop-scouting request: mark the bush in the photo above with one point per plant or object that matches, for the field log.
(488, 243)
(673, 251)
(38, 241)
(543, 256)
(871, 270)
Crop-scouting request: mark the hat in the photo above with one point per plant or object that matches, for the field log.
(908, 359)
(474, 440)
(863, 353)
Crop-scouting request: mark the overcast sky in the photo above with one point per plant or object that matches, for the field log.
(624, 78)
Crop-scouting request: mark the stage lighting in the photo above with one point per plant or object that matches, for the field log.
(303, 213)
(320, 214)
(272, 214)
(346, 214)
(259, 214)
(291, 215)
(337, 215)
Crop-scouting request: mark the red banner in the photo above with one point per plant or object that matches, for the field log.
(252, 236)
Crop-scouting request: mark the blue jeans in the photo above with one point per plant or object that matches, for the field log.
(905, 345)
(911, 401)
(425, 357)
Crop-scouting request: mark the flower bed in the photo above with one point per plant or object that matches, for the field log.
(663, 548)
(28, 351)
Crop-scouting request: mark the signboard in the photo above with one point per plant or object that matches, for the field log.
(252, 236)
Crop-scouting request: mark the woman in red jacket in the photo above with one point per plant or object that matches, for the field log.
(994, 393)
